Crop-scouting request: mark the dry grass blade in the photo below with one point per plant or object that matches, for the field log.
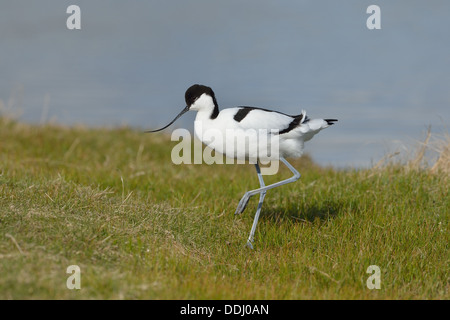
(442, 163)
(416, 162)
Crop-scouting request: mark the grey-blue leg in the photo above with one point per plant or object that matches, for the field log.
(243, 202)
(262, 191)
(258, 211)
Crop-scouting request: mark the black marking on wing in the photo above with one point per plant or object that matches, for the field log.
(330, 121)
(245, 110)
(294, 124)
(241, 114)
(296, 120)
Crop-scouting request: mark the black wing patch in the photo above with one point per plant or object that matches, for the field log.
(244, 111)
(296, 120)
(294, 124)
(241, 114)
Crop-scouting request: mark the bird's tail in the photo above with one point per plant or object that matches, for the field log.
(330, 121)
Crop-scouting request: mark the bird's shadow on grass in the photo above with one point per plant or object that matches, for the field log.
(309, 212)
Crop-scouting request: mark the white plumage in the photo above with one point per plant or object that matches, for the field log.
(250, 133)
(241, 138)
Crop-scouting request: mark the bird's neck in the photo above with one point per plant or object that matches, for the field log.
(204, 120)
(215, 112)
(207, 107)
(207, 114)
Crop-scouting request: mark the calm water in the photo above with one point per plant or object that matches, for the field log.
(132, 62)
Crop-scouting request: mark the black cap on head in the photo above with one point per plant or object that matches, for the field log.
(192, 94)
(195, 91)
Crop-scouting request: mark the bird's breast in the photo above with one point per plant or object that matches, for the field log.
(233, 141)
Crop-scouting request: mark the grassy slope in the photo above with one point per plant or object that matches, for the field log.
(111, 202)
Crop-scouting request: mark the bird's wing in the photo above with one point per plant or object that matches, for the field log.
(257, 118)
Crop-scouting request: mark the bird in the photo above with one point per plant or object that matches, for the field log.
(249, 133)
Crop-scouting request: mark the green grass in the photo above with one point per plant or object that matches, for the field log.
(140, 227)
